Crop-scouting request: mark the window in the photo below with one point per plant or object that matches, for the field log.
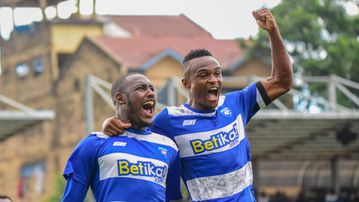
(31, 178)
(77, 85)
(38, 66)
(22, 70)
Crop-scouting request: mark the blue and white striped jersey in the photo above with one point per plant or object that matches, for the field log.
(213, 147)
(130, 167)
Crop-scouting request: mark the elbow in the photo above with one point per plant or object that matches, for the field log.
(284, 83)
(287, 84)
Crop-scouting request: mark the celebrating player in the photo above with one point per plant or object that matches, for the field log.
(131, 167)
(209, 129)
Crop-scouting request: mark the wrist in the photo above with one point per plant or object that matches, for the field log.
(274, 31)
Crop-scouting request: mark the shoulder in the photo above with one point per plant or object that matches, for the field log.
(158, 139)
(245, 93)
(164, 140)
(173, 111)
(92, 140)
(95, 137)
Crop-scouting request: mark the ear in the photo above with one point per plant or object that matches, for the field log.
(121, 100)
(186, 83)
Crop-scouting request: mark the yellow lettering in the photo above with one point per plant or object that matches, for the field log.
(197, 146)
(134, 169)
(141, 168)
(214, 139)
(123, 168)
(208, 145)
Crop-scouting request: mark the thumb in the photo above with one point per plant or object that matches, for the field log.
(127, 125)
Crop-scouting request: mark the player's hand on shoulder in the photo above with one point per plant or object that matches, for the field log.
(114, 126)
(265, 19)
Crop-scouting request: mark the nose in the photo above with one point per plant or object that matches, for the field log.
(150, 93)
(213, 78)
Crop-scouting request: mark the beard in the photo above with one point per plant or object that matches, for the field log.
(135, 117)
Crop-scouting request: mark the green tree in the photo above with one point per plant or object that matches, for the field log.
(320, 35)
(59, 186)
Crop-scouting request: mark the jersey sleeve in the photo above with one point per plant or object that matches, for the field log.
(82, 162)
(159, 123)
(74, 190)
(252, 99)
(173, 182)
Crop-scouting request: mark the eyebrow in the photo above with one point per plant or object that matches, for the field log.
(206, 69)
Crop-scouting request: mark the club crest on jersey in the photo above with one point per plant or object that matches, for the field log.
(163, 151)
(142, 168)
(216, 141)
(225, 111)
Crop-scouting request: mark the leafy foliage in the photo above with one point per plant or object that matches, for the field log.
(59, 186)
(320, 35)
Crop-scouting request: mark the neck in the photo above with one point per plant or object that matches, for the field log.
(138, 126)
(123, 117)
(198, 106)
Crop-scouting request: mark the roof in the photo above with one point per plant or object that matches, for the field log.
(277, 135)
(26, 3)
(161, 26)
(13, 121)
(134, 53)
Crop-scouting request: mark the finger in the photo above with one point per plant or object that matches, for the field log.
(254, 13)
(118, 124)
(262, 10)
(112, 126)
(110, 132)
(107, 122)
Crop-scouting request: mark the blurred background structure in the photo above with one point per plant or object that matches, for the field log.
(56, 76)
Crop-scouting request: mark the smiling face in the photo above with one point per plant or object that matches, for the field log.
(137, 102)
(203, 78)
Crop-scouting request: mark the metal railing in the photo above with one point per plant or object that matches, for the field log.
(169, 94)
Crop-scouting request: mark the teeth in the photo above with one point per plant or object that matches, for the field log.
(213, 88)
(149, 102)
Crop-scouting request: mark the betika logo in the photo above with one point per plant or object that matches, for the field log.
(216, 141)
(142, 168)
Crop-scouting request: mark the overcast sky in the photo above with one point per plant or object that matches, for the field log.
(225, 19)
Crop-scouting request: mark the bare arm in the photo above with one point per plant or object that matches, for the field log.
(281, 77)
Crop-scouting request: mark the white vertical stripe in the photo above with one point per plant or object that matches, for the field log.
(220, 186)
(260, 100)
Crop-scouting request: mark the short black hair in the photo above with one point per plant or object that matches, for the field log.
(196, 53)
(119, 87)
(5, 197)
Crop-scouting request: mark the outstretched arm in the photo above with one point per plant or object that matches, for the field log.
(281, 78)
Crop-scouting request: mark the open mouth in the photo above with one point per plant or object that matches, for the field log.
(149, 108)
(212, 93)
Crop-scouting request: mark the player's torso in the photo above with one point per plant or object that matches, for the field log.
(214, 154)
(135, 165)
